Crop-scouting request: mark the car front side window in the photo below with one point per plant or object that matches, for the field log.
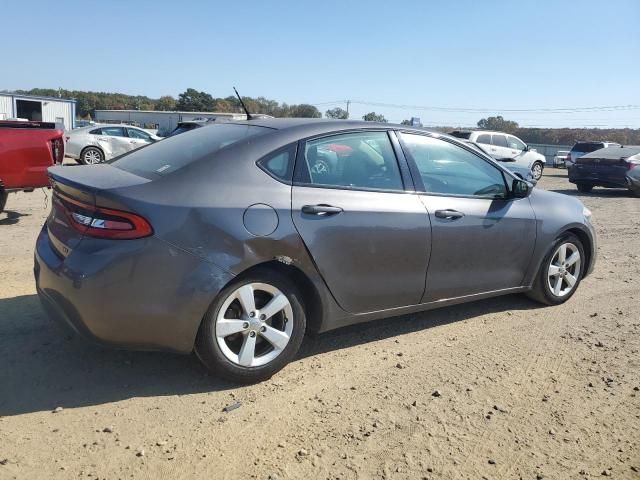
(362, 160)
(448, 169)
(135, 133)
(515, 143)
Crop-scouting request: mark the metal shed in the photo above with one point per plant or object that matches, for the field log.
(38, 109)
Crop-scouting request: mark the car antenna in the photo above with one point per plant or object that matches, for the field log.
(244, 107)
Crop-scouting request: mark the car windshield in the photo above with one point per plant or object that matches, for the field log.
(171, 154)
(587, 147)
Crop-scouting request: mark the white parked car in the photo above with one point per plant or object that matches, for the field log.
(558, 160)
(97, 143)
(502, 146)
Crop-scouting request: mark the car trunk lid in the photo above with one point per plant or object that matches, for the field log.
(83, 201)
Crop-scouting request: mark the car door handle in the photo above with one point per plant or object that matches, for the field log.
(449, 214)
(324, 210)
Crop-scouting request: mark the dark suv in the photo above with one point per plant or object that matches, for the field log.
(582, 148)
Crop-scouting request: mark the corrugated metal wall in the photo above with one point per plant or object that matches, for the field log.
(52, 109)
(6, 107)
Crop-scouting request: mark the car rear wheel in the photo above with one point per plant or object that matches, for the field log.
(253, 329)
(560, 272)
(584, 187)
(91, 156)
(536, 170)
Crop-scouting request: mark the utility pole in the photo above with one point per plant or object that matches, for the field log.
(348, 102)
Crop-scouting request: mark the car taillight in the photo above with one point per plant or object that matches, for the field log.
(57, 149)
(103, 222)
(631, 164)
(568, 159)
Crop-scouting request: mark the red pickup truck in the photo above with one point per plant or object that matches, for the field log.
(27, 149)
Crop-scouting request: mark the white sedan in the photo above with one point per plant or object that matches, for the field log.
(97, 143)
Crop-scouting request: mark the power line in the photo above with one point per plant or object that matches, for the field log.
(593, 109)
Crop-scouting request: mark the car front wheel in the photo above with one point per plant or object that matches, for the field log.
(253, 329)
(560, 272)
(584, 187)
(536, 170)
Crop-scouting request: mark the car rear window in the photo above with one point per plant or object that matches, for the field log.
(459, 134)
(171, 154)
(587, 147)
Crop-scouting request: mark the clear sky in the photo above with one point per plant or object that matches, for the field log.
(464, 54)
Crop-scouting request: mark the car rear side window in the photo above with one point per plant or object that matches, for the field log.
(171, 154)
(113, 131)
(484, 138)
(362, 160)
(96, 131)
(279, 164)
(499, 140)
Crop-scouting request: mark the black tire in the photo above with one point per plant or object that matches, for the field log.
(536, 170)
(91, 150)
(584, 187)
(3, 199)
(541, 291)
(209, 352)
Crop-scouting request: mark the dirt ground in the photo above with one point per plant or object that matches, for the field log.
(502, 388)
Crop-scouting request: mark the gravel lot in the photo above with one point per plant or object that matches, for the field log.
(502, 388)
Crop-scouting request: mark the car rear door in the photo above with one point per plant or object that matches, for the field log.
(367, 231)
(481, 239)
(113, 141)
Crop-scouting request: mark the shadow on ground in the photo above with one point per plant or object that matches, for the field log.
(44, 366)
(11, 217)
(596, 192)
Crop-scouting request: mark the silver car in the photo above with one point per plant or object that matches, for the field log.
(98, 143)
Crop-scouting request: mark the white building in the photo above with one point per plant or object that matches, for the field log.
(162, 121)
(38, 109)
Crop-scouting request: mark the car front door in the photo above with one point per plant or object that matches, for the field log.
(366, 229)
(482, 239)
(518, 151)
(137, 138)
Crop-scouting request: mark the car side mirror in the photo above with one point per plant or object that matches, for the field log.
(520, 188)
(526, 148)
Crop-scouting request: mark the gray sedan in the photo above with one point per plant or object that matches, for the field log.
(234, 240)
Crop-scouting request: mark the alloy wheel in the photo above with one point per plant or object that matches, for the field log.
(92, 157)
(254, 324)
(537, 171)
(564, 269)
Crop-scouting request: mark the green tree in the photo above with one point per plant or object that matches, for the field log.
(166, 103)
(338, 113)
(194, 101)
(303, 111)
(374, 117)
(498, 123)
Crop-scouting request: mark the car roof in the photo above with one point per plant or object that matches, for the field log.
(316, 126)
(614, 153)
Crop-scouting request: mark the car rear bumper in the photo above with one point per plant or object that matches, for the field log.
(138, 294)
